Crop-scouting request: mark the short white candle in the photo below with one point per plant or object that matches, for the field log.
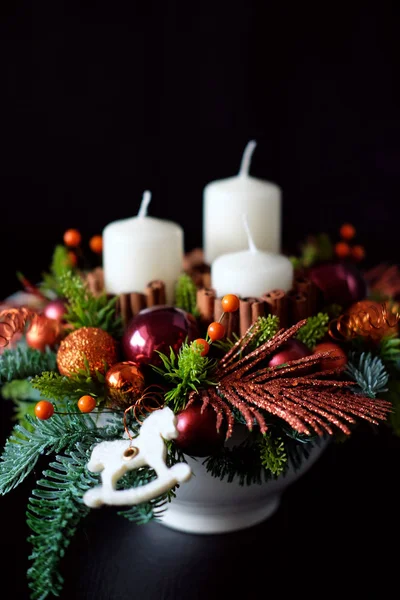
(224, 202)
(141, 249)
(252, 272)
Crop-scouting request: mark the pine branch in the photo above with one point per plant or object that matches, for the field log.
(266, 328)
(369, 373)
(314, 330)
(60, 265)
(241, 463)
(272, 453)
(54, 513)
(19, 390)
(23, 448)
(86, 310)
(55, 386)
(185, 295)
(23, 362)
(186, 371)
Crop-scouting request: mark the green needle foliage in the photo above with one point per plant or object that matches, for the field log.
(60, 265)
(19, 390)
(22, 362)
(58, 387)
(389, 351)
(368, 372)
(185, 295)
(23, 448)
(267, 327)
(86, 310)
(272, 453)
(186, 371)
(314, 330)
(55, 510)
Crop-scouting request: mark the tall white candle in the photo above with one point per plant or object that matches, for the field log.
(252, 272)
(141, 249)
(224, 202)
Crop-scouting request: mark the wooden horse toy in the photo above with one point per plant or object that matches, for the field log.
(114, 459)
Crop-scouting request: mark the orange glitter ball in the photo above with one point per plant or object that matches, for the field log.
(92, 343)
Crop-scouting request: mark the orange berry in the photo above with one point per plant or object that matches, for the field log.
(200, 343)
(72, 259)
(358, 252)
(215, 331)
(342, 249)
(86, 404)
(347, 231)
(44, 410)
(230, 303)
(72, 238)
(96, 244)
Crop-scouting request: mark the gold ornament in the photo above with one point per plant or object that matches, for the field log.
(92, 343)
(124, 383)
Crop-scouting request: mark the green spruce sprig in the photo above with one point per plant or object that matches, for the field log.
(314, 330)
(22, 362)
(185, 295)
(368, 372)
(60, 265)
(55, 510)
(266, 327)
(272, 453)
(58, 387)
(186, 371)
(86, 310)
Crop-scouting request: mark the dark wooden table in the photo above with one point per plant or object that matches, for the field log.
(335, 535)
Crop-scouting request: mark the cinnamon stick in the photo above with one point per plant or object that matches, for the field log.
(205, 298)
(155, 293)
(249, 311)
(298, 306)
(278, 305)
(305, 286)
(129, 305)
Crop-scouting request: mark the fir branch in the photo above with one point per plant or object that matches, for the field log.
(368, 372)
(58, 387)
(272, 453)
(23, 448)
(393, 395)
(241, 463)
(389, 351)
(22, 362)
(86, 310)
(60, 265)
(186, 371)
(185, 295)
(314, 330)
(54, 513)
(19, 390)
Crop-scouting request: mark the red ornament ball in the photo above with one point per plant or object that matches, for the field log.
(198, 435)
(44, 410)
(55, 309)
(339, 283)
(326, 364)
(291, 350)
(157, 329)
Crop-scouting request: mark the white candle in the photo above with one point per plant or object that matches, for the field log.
(141, 249)
(252, 272)
(224, 202)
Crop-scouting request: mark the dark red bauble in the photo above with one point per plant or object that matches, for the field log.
(290, 350)
(338, 352)
(339, 283)
(198, 435)
(55, 309)
(157, 329)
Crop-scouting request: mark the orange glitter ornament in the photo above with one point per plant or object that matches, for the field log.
(124, 383)
(90, 343)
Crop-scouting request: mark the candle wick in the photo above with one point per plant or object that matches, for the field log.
(246, 158)
(252, 246)
(144, 204)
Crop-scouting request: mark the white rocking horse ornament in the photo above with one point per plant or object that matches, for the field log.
(114, 459)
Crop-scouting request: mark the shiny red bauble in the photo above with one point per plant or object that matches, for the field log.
(198, 435)
(157, 329)
(325, 364)
(339, 283)
(55, 309)
(291, 350)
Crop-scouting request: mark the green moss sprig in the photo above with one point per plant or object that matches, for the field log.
(314, 330)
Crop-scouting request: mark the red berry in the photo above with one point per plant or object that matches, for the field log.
(96, 244)
(200, 343)
(347, 231)
(230, 303)
(72, 238)
(44, 410)
(215, 331)
(86, 404)
(342, 249)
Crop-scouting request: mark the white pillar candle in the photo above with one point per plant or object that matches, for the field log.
(141, 249)
(252, 272)
(224, 202)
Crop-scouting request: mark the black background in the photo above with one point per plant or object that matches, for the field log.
(101, 100)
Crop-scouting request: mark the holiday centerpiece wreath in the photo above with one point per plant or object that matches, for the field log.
(132, 392)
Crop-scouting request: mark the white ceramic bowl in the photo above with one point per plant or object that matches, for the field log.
(207, 505)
